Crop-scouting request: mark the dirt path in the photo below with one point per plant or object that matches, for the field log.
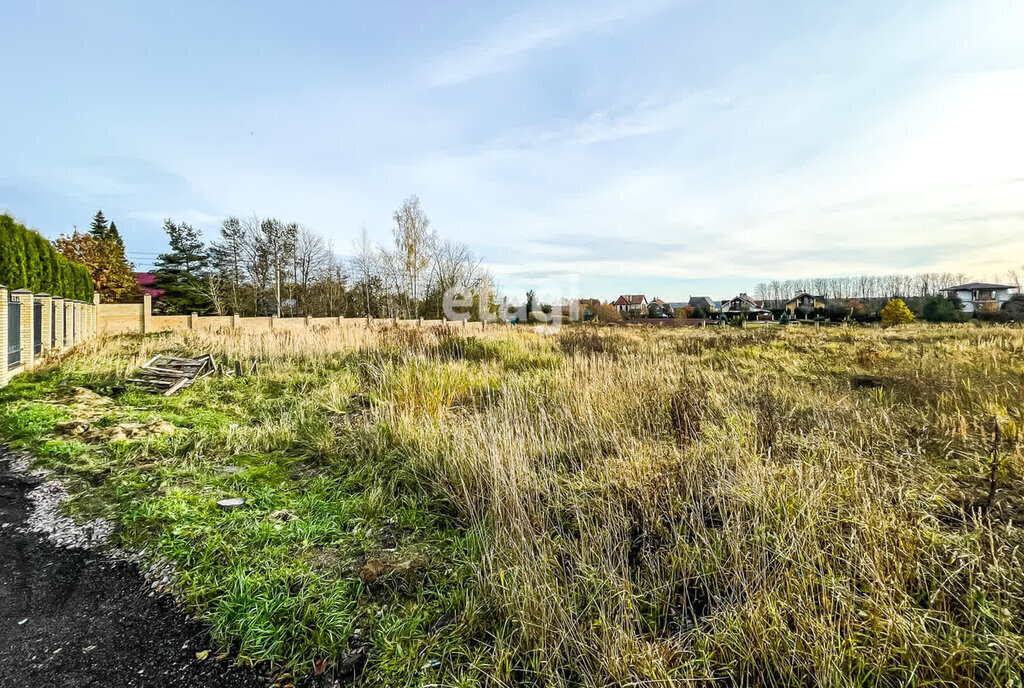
(75, 618)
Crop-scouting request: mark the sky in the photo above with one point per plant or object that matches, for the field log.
(590, 148)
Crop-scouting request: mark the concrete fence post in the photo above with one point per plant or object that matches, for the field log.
(146, 313)
(3, 334)
(273, 321)
(24, 299)
(419, 323)
(309, 322)
(46, 303)
(94, 315)
(341, 320)
(193, 320)
(235, 321)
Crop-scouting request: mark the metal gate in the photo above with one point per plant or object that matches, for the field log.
(13, 333)
(37, 327)
(53, 324)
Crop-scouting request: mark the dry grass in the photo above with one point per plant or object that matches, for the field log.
(672, 506)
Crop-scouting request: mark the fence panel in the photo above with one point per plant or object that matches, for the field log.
(37, 327)
(13, 333)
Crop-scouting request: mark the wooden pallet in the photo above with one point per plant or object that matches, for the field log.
(168, 374)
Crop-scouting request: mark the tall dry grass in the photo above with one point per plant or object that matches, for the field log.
(678, 506)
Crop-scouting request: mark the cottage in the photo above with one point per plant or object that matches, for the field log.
(631, 304)
(705, 303)
(977, 297)
(745, 306)
(657, 307)
(805, 302)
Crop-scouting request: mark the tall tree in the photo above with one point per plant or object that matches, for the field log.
(112, 275)
(228, 258)
(413, 238)
(279, 240)
(181, 272)
(114, 235)
(99, 227)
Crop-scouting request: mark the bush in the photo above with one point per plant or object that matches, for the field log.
(896, 313)
(1014, 308)
(28, 261)
(940, 309)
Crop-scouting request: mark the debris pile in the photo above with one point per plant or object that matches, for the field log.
(168, 374)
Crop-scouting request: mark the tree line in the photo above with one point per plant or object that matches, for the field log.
(267, 266)
(29, 261)
(919, 285)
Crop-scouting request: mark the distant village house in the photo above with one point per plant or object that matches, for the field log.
(978, 297)
(631, 304)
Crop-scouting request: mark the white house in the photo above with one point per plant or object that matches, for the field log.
(980, 296)
(634, 304)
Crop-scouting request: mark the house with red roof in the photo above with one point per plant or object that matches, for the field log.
(147, 284)
(631, 304)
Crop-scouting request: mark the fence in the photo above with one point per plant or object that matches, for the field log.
(35, 325)
(138, 318)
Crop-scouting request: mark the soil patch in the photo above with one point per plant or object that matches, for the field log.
(75, 618)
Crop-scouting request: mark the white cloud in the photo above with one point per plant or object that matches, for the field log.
(512, 43)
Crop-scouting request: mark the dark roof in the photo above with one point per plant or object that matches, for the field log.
(744, 298)
(804, 293)
(701, 302)
(970, 286)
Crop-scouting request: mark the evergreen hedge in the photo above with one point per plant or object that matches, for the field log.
(29, 261)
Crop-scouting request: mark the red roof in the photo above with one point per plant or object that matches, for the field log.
(147, 282)
(629, 300)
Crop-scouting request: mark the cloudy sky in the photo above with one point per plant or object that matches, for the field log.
(592, 147)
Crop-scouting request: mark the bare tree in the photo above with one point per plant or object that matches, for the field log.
(413, 238)
(364, 264)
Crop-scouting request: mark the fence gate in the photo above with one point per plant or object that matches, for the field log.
(53, 324)
(13, 333)
(37, 327)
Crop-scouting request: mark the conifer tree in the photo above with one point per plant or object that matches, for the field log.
(180, 272)
(99, 227)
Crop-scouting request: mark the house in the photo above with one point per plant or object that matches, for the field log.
(587, 309)
(745, 306)
(704, 302)
(805, 302)
(980, 296)
(631, 304)
(659, 307)
(147, 285)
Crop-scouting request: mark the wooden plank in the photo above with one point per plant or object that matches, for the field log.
(160, 383)
(176, 386)
(163, 371)
(182, 360)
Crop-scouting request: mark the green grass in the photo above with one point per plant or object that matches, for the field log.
(593, 508)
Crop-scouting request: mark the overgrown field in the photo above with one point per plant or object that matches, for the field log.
(598, 507)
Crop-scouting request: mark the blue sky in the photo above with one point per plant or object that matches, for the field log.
(591, 148)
